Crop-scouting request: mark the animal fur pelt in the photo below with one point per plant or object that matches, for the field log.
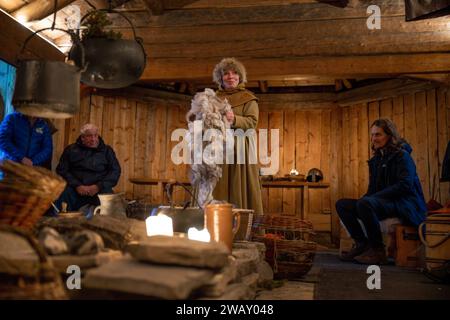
(211, 110)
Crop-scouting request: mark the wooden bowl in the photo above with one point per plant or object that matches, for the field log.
(299, 177)
(71, 214)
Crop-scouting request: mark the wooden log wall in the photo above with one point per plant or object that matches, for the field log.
(334, 139)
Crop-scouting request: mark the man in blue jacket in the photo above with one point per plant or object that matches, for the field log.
(90, 167)
(394, 191)
(25, 139)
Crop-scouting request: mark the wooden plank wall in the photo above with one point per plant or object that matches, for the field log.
(306, 142)
(334, 139)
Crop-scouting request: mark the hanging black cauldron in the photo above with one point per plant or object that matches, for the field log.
(48, 89)
(111, 63)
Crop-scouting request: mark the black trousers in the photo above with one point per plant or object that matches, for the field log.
(370, 211)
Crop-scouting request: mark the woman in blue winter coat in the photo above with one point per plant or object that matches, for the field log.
(394, 191)
(25, 139)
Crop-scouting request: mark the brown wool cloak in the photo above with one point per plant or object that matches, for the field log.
(240, 184)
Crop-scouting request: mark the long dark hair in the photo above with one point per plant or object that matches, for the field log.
(395, 142)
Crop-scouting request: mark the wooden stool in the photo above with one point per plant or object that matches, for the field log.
(408, 247)
(388, 227)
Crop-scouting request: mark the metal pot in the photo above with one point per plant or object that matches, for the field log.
(111, 63)
(47, 89)
(182, 218)
(185, 217)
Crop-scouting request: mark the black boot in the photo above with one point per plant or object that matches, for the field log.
(373, 255)
(357, 249)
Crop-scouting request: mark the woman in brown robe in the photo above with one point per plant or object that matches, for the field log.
(240, 184)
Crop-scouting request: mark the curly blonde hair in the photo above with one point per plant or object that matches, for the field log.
(227, 64)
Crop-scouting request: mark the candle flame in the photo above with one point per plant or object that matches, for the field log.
(199, 235)
(159, 225)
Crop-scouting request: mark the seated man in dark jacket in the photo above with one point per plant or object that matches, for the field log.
(394, 191)
(90, 167)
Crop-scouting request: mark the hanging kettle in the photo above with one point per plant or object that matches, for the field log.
(111, 63)
(48, 89)
(184, 217)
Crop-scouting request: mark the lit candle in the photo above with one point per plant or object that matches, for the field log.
(159, 225)
(199, 235)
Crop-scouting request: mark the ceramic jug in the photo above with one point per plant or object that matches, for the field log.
(111, 204)
(222, 223)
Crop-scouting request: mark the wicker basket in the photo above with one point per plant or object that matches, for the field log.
(288, 249)
(290, 259)
(244, 233)
(26, 193)
(46, 285)
(286, 227)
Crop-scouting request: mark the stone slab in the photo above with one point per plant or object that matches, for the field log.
(115, 231)
(249, 245)
(158, 281)
(180, 251)
(251, 280)
(84, 262)
(218, 284)
(138, 229)
(247, 261)
(265, 273)
(17, 257)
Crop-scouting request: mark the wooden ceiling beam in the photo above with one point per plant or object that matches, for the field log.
(382, 90)
(156, 7)
(12, 37)
(346, 67)
(198, 4)
(267, 102)
(11, 5)
(442, 78)
(99, 4)
(39, 9)
(272, 14)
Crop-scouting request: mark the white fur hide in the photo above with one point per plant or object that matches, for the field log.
(211, 110)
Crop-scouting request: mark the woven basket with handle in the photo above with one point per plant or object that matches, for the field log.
(26, 193)
(288, 249)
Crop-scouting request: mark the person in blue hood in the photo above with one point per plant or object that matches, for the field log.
(25, 139)
(90, 167)
(394, 191)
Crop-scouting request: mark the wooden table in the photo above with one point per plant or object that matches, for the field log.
(304, 187)
(161, 183)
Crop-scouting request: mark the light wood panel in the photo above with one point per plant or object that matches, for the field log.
(443, 135)
(289, 196)
(275, 194)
